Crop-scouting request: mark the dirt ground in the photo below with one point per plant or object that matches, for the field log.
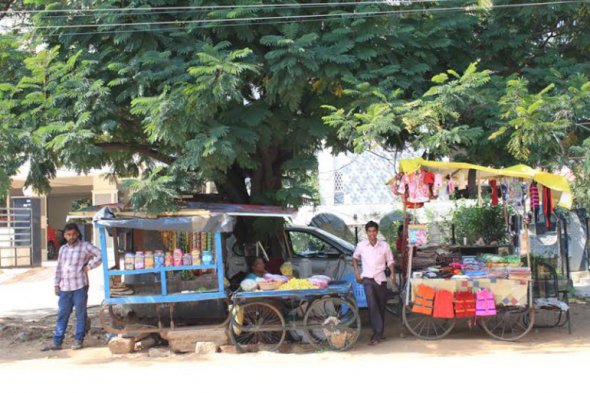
(547, 360)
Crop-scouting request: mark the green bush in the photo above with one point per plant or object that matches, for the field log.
(474, 222)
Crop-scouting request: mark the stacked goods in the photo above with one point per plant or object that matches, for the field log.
(519, 273)
(320, 281)
(474, 268)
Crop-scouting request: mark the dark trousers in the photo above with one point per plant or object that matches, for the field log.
(69, 300)
(376, 295)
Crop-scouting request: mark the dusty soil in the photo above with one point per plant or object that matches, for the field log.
(22, 339)
(547, 360)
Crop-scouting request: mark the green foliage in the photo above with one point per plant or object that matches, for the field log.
(474, 222)
(432, 122)
(231, 102)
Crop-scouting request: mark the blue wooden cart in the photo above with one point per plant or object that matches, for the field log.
(328, 319)
(161, 296)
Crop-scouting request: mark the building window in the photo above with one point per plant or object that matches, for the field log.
(338, 188)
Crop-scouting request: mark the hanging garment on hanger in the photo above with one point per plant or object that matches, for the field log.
(443, 192)
(451, 186)
(438, 185)
(504, 190)
(415, 187)
(534, 198)
(547, 206)
(494, 192)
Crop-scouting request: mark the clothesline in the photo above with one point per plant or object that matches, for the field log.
(556, 183)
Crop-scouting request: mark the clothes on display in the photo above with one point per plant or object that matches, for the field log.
(415, 188)
(424, 299)
(443, 304)
(494, 186)
(547, 206)
(464, 304)
(485, 304)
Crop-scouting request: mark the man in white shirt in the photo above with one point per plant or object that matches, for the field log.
(375, 255)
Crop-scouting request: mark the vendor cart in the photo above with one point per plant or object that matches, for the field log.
(326, 318)
(329, 318)
(165, 288)
(514, 315)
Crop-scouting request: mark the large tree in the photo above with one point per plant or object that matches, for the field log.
(235, 92)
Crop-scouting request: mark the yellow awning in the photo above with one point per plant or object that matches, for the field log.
(557, 183)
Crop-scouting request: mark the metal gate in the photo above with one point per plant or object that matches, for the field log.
(16, 237)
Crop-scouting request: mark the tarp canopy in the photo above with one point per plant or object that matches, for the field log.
(196, 217)
(204, 222)
(557, 183)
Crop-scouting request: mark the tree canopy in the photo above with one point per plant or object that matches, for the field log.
(244, 93)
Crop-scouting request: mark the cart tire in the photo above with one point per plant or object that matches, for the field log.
(110, 321)
(426, 327)
(332, 323)
(261, 324)
(510, 323)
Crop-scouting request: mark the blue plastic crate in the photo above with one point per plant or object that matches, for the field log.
(358, 290)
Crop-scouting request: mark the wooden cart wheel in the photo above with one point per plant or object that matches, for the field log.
(426, 327)
(257, 324)
(332, 323)
(510, 323)
(110, 321)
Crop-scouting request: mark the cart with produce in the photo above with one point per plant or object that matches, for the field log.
(324, 315)
(180, 259)
(492, 291)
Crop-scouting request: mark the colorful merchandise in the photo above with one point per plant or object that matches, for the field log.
(149, 260)
(464, 304)
(159, 259)
(177, 257)
(415, 188)
(485, 305)
(547, 206)
(139, 261)
(443, 304)
(424, 300)
(129, 261)
(494, 186)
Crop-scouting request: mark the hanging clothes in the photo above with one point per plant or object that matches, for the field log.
(424, 300)
(443, 304)
(547, 206)
(534, 198)
(415, 188)
(464, 304)
(485, 305)
(494, 186)
(443, 192)
(451, 186)
(504, 190)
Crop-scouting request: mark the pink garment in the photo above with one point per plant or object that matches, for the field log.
(418, 191)
(374, 259)
(484, 303)
(451, 186)
(438, 184)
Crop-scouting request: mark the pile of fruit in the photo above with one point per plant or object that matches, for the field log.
(297, 284)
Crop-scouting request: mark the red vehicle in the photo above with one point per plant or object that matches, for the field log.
(52, 243)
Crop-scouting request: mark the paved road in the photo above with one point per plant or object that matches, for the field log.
(29, 292)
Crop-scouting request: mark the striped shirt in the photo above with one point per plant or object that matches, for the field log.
(70, 275)
(534, 194)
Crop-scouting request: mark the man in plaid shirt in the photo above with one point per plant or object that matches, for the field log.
(71, 285)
